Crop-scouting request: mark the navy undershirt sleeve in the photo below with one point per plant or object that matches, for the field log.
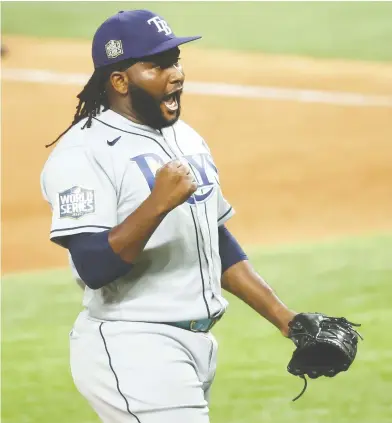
(94, 259)
(229, 250)
(98, 265)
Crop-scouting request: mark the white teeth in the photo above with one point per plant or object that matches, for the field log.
(171, 104)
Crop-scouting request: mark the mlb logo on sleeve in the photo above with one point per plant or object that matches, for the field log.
(76, 202)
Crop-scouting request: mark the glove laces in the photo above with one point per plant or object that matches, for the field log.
(303, 389)
(346, 325)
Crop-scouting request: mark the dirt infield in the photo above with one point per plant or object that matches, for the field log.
(293, 171)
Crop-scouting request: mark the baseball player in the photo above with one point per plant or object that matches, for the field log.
(136, 200)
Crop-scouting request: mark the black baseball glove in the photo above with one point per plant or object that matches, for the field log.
(325, 345)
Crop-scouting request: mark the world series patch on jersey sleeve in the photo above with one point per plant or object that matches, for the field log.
(76, 202)
(81, 196)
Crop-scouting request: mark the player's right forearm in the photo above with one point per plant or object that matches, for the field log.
(129, 238)
(103, 257)
(174, 183)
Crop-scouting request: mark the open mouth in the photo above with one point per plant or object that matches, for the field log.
(171, 101)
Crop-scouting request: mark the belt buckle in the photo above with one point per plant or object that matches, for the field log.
(191, 326)
(194, 322)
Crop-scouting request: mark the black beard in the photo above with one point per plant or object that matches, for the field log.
(147, 108)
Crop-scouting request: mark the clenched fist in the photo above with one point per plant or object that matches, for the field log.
(174, 184)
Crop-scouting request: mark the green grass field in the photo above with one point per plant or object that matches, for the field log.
(352, 30)
(351, 278)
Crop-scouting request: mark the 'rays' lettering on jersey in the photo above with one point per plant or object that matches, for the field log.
(76, 202)
(202, 165)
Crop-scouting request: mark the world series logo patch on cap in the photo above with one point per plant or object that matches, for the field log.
(114, 49)
(76, 202)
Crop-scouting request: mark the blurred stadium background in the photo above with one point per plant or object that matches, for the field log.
(302, 133)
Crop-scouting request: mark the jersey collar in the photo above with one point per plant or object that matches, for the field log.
(115, 119)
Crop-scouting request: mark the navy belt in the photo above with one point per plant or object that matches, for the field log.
(202, 325)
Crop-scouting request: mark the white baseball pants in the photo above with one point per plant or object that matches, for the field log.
(142, 372)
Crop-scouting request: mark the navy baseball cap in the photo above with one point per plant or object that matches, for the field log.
(133, 34)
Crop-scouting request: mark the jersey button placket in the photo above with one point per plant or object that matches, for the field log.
(197, 208)
(202, 221)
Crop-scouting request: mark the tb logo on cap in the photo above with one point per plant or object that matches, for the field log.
(161, 25)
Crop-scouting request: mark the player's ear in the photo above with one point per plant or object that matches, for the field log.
(119, 81)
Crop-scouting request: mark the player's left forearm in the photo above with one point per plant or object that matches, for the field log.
(244, 282)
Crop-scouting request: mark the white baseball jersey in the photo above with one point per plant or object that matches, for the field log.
(96, 177)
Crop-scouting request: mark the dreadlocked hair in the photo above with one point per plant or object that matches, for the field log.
(93, 97)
